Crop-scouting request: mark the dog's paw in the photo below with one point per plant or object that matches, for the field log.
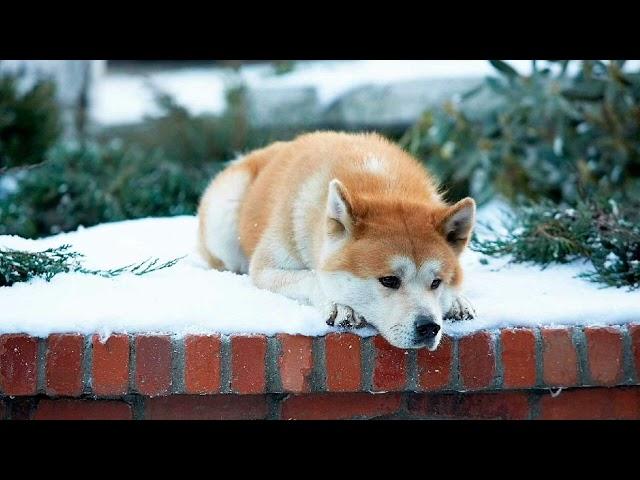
(461, 309)
(344, 316)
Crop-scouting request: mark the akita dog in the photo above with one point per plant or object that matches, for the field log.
(349, 223)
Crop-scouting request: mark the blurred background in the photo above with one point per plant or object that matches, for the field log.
(89, 141)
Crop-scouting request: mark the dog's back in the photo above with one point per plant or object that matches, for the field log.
(282, 189)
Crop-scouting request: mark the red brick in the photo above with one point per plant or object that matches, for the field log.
(477, 361)
(518, 358)
(592, 404)
(64, 365)
(110, 365)
(248, 354)
(18, 364)
(498, 405)
(295, 362)
(634, 333)
(343, 353)
(604, 353)
(153, 365)
(340, 406)
(434, 368)
(202, 364)
(67, 409)
(210, 407)
(560, 359)
(389, 366)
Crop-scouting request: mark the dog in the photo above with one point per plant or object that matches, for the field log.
(348, 223)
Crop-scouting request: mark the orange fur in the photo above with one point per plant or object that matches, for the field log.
(402, 206)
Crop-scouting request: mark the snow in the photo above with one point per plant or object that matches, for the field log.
(123, 99)
(333, 79)
(188, 298)
(610, 260)
(127, 98)
(8, 184)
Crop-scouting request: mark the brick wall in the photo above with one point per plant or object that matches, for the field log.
(512, 373)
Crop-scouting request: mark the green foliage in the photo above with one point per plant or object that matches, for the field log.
(142, 268)
(87, 184)
(187, 139)
(29, 122)
(559, 143)
(20, 266)
(147, 266)
(282, 67)
(602, 231)
(158, 168)
(545, 135)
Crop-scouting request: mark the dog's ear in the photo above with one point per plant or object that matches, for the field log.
(457, 223)
(339, 210)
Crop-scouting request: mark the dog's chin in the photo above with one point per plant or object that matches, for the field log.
(430, 345)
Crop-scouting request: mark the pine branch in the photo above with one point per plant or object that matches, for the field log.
(21, 266)
(142, 268)
(599, 230)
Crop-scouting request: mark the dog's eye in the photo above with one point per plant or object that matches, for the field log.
(390, 282)
(435, 284)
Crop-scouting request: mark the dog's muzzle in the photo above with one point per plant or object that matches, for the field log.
(425, 328)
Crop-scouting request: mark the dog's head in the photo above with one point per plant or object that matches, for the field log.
(394, 262)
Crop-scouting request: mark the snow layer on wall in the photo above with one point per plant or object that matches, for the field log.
(188, 298)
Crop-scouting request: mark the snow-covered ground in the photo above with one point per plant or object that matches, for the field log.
(188, 298)
(127, 98)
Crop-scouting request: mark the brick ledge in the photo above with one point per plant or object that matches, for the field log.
(71, 365)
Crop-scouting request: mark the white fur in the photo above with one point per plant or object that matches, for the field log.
(273, 267)
(336, 205)
(374, 165)
(393, 312)
(221, 235)
(462, 221)
(306, 198)
(426, 273)
(300, 285)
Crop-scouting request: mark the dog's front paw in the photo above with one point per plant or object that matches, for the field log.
(461, 309)
(344, 316)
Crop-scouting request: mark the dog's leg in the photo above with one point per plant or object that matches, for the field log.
(298, 283)
(461, 309)
(274, 269)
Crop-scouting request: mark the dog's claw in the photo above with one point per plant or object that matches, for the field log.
(360, 321)
(332, 317)
(461, 309)
(345, 317)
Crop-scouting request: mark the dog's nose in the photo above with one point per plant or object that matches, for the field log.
(426, 327)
